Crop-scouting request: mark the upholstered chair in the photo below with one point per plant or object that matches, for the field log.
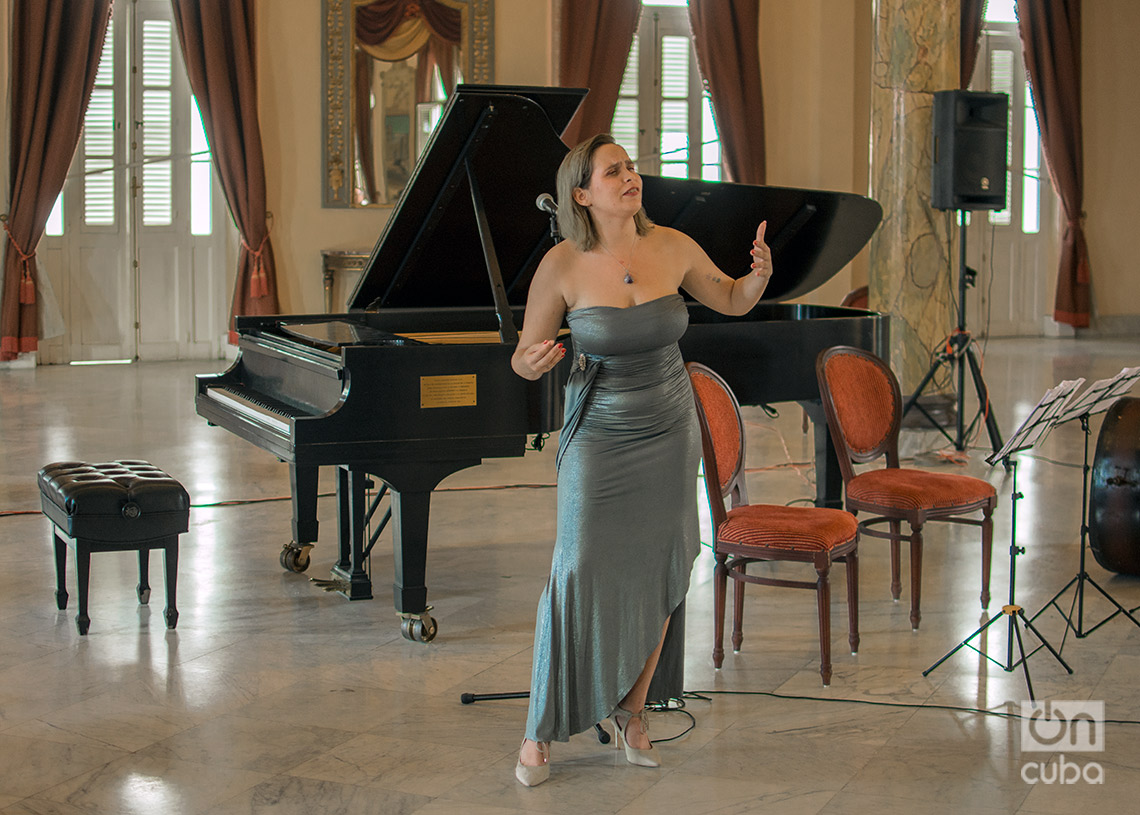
(745, 533)
(863, 405)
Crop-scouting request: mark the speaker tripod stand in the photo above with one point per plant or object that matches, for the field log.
(959, 347)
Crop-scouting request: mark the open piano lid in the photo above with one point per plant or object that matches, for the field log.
(812, 233)
(429, 254)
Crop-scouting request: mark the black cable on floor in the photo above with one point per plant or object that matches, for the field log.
(675, 705)
(703, 695)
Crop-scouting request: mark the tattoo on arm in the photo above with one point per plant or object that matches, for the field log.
(715, 278)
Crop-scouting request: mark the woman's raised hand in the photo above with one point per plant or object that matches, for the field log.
(761, 254)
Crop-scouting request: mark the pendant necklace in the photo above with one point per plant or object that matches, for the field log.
(626, 267)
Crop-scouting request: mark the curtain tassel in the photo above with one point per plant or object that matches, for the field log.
(258, 280)
(258, 286)
(27, 290)
(27, 282)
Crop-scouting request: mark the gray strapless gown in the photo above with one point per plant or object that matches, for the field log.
(627, 517)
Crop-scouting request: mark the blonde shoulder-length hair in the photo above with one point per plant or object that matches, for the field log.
(574, 220)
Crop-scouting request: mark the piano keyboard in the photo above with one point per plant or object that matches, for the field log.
(460, 337)
(257, 406)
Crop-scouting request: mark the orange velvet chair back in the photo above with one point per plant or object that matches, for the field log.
(722, 435)
(863, 404)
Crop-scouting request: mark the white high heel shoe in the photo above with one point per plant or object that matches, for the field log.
(642, 757)
(531, 775)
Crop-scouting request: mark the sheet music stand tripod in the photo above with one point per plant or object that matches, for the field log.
(1033, 430)
(1097, 399)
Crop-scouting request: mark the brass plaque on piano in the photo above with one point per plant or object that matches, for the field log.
(455, 390)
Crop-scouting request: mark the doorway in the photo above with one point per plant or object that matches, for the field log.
(135, 249)
(1013, 250)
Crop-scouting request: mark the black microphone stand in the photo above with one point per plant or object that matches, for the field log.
(472, 698)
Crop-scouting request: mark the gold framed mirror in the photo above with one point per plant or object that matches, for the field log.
(380, 68)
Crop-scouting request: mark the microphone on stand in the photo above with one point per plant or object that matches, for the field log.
(545, 202)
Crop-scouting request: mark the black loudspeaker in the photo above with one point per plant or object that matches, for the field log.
(969, 150)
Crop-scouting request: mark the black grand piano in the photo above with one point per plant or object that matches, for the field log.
(414, 382)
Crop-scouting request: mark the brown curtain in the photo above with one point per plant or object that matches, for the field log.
(1051, 40)
(596, 38)
(726, 34)
(217, 38)
(378, 20)
(55, 50)
(971, 38)
(441, 53)
(362, 113)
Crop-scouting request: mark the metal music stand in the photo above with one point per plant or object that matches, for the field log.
(1097, 399)
(1032, 431)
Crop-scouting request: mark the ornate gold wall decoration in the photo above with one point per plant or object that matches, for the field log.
(337, 160)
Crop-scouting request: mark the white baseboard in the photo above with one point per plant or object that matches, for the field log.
(25, 360)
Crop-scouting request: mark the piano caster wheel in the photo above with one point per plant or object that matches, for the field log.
(421, 628)
(295, 558)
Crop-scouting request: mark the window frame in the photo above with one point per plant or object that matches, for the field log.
(703, 159)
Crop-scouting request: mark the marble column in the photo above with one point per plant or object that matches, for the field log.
(916, 53)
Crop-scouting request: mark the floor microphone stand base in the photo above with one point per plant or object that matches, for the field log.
(472, 698)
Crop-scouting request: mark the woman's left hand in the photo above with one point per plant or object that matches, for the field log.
(761, 254)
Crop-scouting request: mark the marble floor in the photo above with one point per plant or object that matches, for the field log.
(273, 696)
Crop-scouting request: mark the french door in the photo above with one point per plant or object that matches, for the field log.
(135, 250)
(1013, 250)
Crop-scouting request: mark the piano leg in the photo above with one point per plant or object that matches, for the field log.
(409, 537)
(303, 485)
(410, 519)
(828, 478)
(303, 481)
(411, 501)
(352, 579)
(410, 508)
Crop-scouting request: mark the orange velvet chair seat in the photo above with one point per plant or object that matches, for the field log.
(802, 529)
(907, 489)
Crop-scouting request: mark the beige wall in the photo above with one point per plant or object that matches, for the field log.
(289, 79)
(816, 96)
(815, 56)
(815, 60)
(1111, 112)
(289, 64)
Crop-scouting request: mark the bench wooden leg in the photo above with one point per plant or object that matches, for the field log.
(143, 588)
(60, 571)
(170, 561)
(82, 578)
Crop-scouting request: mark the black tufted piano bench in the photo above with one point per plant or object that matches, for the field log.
(119, 506)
